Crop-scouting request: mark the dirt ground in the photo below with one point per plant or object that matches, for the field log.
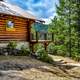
(38, 70)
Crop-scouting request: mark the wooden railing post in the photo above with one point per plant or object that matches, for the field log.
(52, 36)
(45, 38)
(36, 36)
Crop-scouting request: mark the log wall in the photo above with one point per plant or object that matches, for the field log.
(21, 26)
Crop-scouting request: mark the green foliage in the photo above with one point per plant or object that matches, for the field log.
(57, 49)
(75, 54)
(43, 55)
(51, 49)
(24, 51)
(61, 50)
(38, 46)
(12, 45)
(65, 28)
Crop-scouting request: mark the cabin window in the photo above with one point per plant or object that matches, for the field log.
(10, 25)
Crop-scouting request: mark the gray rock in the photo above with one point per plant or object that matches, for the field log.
(13, 66)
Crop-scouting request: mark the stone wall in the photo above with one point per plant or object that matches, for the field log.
(4, 50)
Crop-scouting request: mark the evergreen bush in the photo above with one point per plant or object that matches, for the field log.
(24, 51)
(12, 45)
(11, 48)
(43, 55)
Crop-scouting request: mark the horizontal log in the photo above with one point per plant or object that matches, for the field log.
(15, 31)
(12, 34)
(16, 26)
(21, 29)
(21, 26)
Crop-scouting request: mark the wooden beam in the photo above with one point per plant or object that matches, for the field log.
(28, 31)
(45, 36)
(36, 36)
(52, 36)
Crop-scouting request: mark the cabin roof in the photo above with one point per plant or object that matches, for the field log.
(7, 8)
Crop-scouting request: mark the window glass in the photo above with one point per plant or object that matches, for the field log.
(10, 24)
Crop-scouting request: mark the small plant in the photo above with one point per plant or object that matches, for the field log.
(43, 55)
(24, 51)
(75, 55)
(12, 45)
(61, 50)
(38, 46)
(51, 49)
(11, 48)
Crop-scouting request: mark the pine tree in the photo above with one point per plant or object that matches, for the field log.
(65, 26)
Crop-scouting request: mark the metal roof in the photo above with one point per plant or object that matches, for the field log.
(14, 10)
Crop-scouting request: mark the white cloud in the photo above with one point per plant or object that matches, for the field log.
(43, 9)
(48, 20)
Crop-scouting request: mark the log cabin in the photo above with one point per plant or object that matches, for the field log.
(15, 23)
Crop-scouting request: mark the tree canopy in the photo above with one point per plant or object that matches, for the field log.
(66, 27)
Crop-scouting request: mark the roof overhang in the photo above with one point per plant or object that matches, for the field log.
(14, 10)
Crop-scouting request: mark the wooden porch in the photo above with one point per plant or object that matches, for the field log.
(41, 37)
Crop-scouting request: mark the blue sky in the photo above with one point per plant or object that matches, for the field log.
(43, 9)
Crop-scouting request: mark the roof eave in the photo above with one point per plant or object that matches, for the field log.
(25, 18)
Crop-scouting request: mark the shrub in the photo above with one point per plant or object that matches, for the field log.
(75, 55)
(11, 48)
(61, 50)
(56, 49)
(12, 45)
(38, 46)
(24, 51)
(51, 48)
(43, 55)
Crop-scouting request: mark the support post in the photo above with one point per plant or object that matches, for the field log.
(45, 38)
(36, 36)
(52, 36)
(29, 34)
